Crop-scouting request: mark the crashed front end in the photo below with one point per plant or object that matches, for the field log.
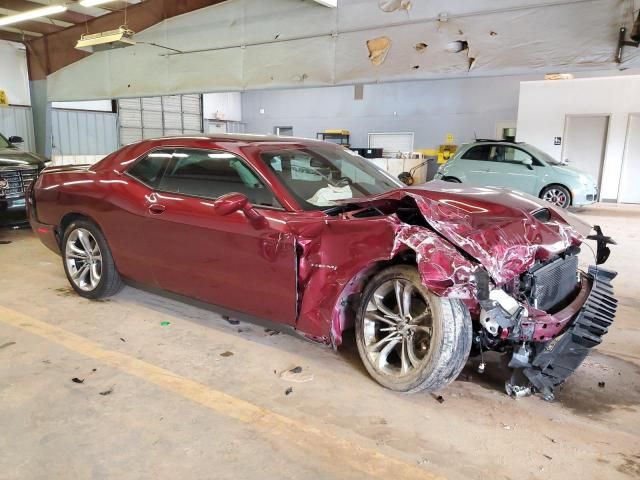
(514, 263)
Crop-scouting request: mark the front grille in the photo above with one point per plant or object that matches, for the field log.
(553, 283)
(17, 181)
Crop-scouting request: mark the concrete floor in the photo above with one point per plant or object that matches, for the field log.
(179, 405)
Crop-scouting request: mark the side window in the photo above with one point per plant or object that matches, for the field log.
(149, 169)
(516, 155)
(210, 174)
(481, 152)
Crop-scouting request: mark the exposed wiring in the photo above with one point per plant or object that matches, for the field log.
(160, 46)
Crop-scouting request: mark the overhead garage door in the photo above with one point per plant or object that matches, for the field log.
(152, 117)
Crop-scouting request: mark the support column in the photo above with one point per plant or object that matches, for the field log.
(42, 116)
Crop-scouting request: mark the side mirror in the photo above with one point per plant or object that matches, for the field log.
(528, 162)
(16, 139)
(234, 202)
(230, 203)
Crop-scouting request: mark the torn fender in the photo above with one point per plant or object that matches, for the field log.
(335, 264)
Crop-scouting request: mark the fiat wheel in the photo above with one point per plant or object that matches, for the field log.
(88, 263)
(408, 338)
(558, 195)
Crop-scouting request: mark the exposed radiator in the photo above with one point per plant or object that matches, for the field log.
(554, 282)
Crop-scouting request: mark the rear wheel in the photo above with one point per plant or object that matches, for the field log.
(408, 338)
(556, 194)
(87, 261)
(451, 179)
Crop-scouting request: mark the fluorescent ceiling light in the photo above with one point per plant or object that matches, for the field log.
(93, 3)
(38, 12)
(328, 3)
(98, 42)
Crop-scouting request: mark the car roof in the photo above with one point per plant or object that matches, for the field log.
(239, 137)
(486, 140)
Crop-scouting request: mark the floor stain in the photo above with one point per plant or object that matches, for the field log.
(630, 465)
(65, 292)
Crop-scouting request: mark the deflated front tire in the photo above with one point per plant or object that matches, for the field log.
(408, 338)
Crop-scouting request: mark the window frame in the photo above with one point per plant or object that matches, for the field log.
(536, 162)
(473, 147)
(173, 149)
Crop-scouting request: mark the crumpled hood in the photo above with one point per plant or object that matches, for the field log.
(14, 157)
(495, 226)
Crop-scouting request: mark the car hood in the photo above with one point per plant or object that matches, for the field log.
(504, 230)
(14, 157)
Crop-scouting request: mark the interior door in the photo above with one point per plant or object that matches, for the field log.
(585, 140)
(222, 259)
(629, 192)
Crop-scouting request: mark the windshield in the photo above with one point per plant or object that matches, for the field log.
(320, 176)
(4, 143)
(545, 157)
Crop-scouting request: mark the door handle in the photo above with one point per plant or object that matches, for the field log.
(156, 209)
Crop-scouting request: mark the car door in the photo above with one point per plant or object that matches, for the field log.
(513, 168)
(127, 224)
(227, 260)
(474, 165)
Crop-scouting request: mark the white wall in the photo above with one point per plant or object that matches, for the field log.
(222, 106)
(544, 105)
(92, 105)
(14, 76)
(431, 109)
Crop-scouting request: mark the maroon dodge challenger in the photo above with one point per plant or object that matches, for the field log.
(307, 234)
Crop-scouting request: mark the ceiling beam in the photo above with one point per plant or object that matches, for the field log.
(48, 21)
(39, 27)
(77, 8)
(11, 37)
(57, 50)
(20, 31)
(24, 5)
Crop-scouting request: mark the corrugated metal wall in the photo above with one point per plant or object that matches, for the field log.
(83, 136)
(18, 121)
(152, 117)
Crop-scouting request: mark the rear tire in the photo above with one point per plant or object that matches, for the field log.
(422, 347)
(451, 179)
(88, 262)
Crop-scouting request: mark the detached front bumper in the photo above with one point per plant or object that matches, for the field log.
(555, 360)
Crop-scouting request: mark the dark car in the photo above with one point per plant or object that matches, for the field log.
(312, 236)
(17, 170)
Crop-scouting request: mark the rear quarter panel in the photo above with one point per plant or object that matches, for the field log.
(109, 199)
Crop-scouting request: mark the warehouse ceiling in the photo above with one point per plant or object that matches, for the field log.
(253, 44)
(32, 29)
